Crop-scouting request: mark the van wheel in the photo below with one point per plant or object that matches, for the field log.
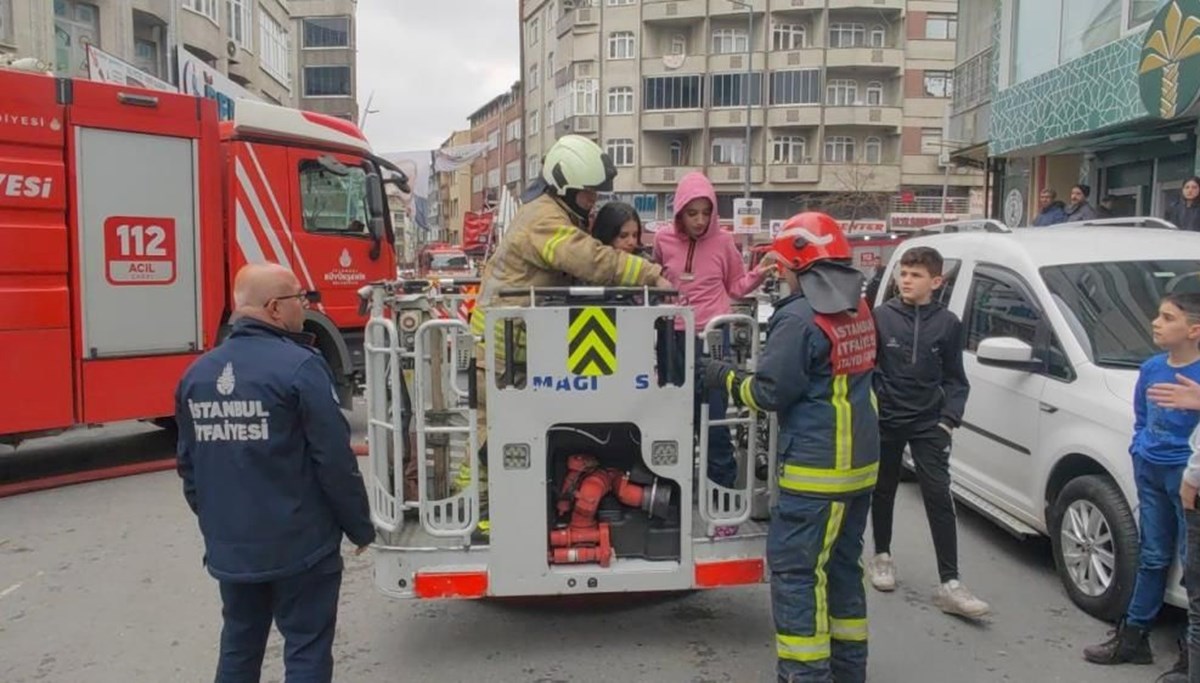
(1095, 541)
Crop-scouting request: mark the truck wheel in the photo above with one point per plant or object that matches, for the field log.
(1095, 541)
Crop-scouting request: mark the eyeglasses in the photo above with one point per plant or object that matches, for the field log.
(306, 298)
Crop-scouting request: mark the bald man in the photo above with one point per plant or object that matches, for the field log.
(264, 453)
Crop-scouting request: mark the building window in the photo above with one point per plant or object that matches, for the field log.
(535, 29)
(1035, 38)
(620, 100)
(620, 151)
(76, 25)
(931, 141)
(533, 167)
(841, 93)
(512, 131)
(586, 96)
(1141, 11)
(939, 84)
(550, 66)
(326, 32)
(1102, 26)
(728, 151)
(145, 54)
(839, 150)
(477, 183)
(6, 30)
(786, 37)
(945, 26)
(327, 81)
(618, 3)
(874, 94)
(512, 172)
(874, 150)
(796, 87)
(550, 115)
(789, 149)
(493, 140)
(533, 76)
(847, 35)
(620, 45)
(672, 92)
(729, 90)
(493, 178)
(678, 44)
(680, 153)
(877, 37)
(241, 22)
(206, 7)
(535, 121)
(726, 41)
(273, 48)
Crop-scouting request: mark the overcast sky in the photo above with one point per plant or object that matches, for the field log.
(431, 63)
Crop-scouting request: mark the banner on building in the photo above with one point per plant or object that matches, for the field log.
(915, 221)
(108, 68)
(449, 159)
(864, 226)
(418, 166)
(477, 226)
(201, 80)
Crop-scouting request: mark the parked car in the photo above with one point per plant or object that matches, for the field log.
(1056, 324)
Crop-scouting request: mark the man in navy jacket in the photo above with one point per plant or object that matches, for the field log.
(264, 453)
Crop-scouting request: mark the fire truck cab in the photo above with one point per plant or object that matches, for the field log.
(124, 216)
(592, 472)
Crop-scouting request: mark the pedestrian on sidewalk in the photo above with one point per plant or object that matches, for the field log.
(815, 374)
(922, 392)
(264, 453)
(1160, 452)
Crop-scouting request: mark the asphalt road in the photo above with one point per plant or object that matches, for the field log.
(102, 582)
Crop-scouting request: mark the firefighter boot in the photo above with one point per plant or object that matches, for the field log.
(1129, 644)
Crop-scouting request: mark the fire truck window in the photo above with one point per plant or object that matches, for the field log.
(449, 262)
(333, 203)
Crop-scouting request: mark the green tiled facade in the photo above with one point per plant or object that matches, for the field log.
(1095, 91)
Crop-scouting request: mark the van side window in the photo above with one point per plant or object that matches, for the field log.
(997, 309)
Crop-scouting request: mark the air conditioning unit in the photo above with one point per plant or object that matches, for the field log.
(231, 49)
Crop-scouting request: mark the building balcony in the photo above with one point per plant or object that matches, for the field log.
(580, 125)
(577, 19)
(673, 10)
(691, 119)
(794, 173)
(875, 5)
(866, 57)
(790, 116)
(734, 174)
(665, 175)
(735, 61)
(734, 117)
(669, 65)
(875, 117)
(812, 57)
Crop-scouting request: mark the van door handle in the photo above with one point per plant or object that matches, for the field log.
(1047, 408)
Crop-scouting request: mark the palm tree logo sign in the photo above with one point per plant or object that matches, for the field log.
(1168, 77)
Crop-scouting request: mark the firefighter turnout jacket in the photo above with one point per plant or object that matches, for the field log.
(815, 372)
(545, 247)
(264, 453)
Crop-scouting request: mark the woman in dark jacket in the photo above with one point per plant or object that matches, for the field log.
(1185, 212)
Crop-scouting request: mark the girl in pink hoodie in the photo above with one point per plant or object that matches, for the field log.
(703, 263)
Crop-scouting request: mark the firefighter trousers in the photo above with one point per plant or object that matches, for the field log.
(814, 549)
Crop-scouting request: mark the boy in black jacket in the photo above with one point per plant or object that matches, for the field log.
(922, 392)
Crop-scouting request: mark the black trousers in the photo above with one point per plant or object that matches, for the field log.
(303, 607)
(1191, 579)
(931, 455)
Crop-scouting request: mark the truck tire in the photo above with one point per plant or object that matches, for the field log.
(1095, 543)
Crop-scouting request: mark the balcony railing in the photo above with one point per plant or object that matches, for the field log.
(973, 82)
(954, 205)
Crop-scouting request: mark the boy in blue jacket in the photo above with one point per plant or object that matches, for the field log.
(1160, 451)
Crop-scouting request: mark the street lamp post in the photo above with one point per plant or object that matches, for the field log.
(746, 85)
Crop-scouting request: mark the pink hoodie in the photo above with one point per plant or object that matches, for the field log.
(708, 271)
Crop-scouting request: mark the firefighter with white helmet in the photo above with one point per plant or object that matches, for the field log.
(815, 373)
(547, 245)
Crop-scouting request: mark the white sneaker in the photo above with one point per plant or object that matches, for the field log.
(953, 598)
(882, 572)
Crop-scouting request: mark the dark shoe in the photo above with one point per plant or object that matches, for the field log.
(1128, 645)
(1179, 672)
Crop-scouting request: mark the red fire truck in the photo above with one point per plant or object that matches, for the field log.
(124, 215)
(439, 260)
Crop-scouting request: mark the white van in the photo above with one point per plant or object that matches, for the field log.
(1056, 322)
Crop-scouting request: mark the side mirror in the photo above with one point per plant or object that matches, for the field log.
(376, 222)
(1007, 352)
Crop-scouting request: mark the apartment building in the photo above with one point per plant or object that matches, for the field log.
(499, 123)
(454, 196)
(325, 56)
(846, 99)
(249, 42)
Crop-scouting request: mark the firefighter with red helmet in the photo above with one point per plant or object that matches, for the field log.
(815, 373)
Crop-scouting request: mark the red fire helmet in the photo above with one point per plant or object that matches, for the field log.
(809, 237)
